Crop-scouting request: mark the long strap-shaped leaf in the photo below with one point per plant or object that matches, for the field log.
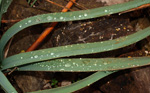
(5, 84)
(69, 16)
(77, 85)
(86, 64)
(70, 50)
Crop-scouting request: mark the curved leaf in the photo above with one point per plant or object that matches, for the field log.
(70, 50)
(77, 85)
(68, 16)
(4, 5)
(86, 64)
(5, 84)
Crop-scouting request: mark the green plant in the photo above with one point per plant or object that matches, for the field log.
(29, 1)
(54, 82)
(47, 59)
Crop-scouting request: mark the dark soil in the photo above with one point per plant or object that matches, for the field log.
(135, 80)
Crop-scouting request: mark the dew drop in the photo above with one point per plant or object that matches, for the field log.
(133, 65)
(109, 49)
(111, 13)
(21, 57)
(106, 10)
(36, 56)
(57, 55)
(52, 53)
(89, 66)
(20, 26)
(74, 17)
(85, 14)
(95, 64)
(48, 68)
(67, 65)
(49, 18)
(62, 69)
(42, 65)
(61, 17)
(105, 63)
(29, 21)
(77, 65)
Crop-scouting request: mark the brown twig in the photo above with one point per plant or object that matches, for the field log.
(81, 6)
(12, 70)
(137, 8)
(7, 47)
(10, 21)
(58, 5)
(48, 30)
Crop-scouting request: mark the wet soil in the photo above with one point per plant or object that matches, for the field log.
(94, 30)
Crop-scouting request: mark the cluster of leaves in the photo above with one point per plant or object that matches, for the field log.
(54, 82)
(51, 59)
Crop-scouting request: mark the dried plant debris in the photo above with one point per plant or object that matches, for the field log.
(112, 2)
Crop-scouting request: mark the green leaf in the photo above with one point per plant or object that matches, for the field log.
(33, 3)
(87, 64)
(29, 1)
(71, 50)
(54, 82)
(5, 84)
(77, 85)
(68, 16)
(4, 4)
